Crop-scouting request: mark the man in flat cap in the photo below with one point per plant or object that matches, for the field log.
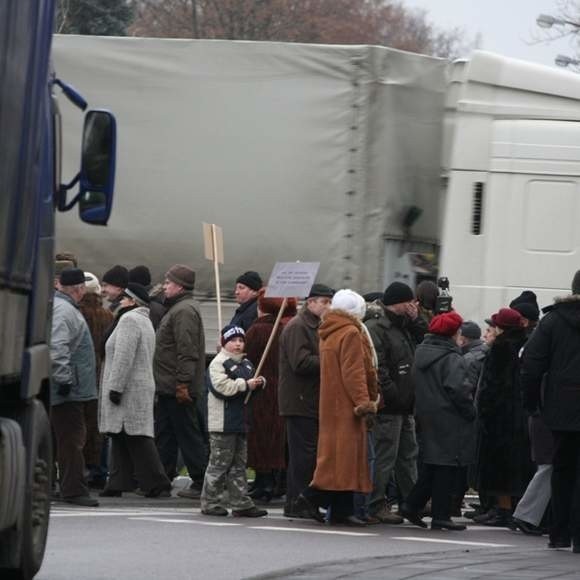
(246, 292)
(179, 367)
(298, 392)
(73, 385)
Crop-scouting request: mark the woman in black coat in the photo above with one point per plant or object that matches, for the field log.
(504, 466)
(445, 413)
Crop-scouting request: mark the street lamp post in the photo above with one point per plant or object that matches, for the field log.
(548, 21)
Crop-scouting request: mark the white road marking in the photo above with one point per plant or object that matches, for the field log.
(98, 513)
(459, 542)
(176, 521)
(310, 531)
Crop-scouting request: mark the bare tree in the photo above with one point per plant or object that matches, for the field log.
(386, 22)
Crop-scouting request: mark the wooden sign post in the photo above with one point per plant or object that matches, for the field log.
(213, 240)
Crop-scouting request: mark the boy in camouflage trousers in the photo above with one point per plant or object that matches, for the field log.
(229, 378)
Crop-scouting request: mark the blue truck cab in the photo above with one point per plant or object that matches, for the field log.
(30, 193)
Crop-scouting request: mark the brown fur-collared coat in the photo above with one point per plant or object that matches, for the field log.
(347, 381)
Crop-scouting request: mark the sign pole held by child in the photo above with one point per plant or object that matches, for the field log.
(213, 240)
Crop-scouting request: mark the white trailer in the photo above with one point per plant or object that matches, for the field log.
(324, 153)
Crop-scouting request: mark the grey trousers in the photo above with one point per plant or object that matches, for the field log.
(532, 506)
(226, 469)
(395, 451)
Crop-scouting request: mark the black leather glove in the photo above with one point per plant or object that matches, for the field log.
(115, 397)
(63, 390)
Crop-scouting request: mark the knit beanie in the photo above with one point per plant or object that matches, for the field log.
(230, 332)
(140, 275)
(137, 292)
(250, 279)
(427, 293)
(527, 305)
(92, 284)
(350, 302)
(446, 324)
(117, 276)
(507, 318)
(576, 283)
(71, 277)
(471, 330)
(182, 275)
(397, 293)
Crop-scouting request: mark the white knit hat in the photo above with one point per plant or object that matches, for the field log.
(92, 284)
(349, 301)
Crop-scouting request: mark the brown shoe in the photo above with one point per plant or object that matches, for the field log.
(386, 516)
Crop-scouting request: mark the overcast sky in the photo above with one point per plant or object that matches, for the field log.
(506, 26)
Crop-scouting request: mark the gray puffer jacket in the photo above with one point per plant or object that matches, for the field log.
(71, 352)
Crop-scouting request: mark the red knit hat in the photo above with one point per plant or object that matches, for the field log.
(446, 324)
(507, 318)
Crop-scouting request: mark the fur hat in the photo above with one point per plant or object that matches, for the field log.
(396, 293)
(60, 265)
(471, 330)
(427, 293)
(92, 284)
(230, 332)
(446, 324)
(272, 305)
(250, 279)
(320, 290)
(71, 277)
(527, 305)
(117, 276)
(576, 283)
(140, 275)
(507, 318)
(182, 275)
(137, 292)
(350, 302)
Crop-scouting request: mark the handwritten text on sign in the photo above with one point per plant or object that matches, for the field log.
(292, 279)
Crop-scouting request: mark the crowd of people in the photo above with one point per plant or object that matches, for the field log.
(360, 403)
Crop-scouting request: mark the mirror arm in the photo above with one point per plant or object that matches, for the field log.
(62, 204)
(71, 94)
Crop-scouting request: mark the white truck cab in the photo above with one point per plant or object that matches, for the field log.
(511, 160)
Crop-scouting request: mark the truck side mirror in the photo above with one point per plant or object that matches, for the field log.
(97, 175)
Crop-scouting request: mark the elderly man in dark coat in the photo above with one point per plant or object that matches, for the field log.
(179, 369)
(298, 392)
(446, 415)
(553, 353)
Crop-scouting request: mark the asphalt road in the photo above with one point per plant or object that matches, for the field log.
(131, 538)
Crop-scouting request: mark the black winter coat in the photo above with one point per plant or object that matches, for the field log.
(444, 403)
(504, 463)
(246, 314)
(299, 367)
(394, 342)
(554, 350)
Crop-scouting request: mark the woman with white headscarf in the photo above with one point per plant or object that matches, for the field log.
(348, 392)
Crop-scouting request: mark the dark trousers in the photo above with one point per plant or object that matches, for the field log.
(302, 434)
(135, 457)
(68, 423)
(566, 486)
(340, 503)
(438, 483)
(177, 427)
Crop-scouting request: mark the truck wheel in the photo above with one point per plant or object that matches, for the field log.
(36, 510)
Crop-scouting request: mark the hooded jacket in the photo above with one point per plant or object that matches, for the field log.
(444, 403)
(554, 348)
(180, 348)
